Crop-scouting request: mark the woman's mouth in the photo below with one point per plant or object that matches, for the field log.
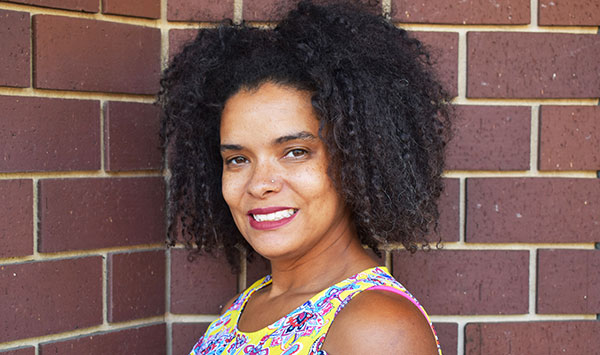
(271, 218)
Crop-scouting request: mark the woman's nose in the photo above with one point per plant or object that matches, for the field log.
(264, 180)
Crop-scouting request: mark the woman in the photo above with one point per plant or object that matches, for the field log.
(305, 143)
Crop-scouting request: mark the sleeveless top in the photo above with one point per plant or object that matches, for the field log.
(302, 331)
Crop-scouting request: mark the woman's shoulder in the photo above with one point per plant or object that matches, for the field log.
(382, 320)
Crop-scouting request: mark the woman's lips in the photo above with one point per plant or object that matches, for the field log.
(271, 217)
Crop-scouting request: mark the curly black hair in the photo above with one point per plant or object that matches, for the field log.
(384, 118)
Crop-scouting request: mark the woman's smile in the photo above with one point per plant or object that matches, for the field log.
(271, 217)
(275, 179)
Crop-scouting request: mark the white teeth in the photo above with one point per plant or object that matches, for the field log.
(275, 216)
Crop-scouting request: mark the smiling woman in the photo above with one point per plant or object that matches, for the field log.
(305, 143)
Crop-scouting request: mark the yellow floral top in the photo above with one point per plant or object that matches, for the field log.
(302, 331)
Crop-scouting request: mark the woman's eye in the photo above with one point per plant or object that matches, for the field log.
(296, 153)
(236, 160)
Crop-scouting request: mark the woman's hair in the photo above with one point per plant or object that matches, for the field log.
(383, 116)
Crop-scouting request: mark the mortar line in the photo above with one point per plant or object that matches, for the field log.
(460, 337)
(462, 210)
(168, 319)
(533, 8)
(74, 95)
(238, 11)
(105, 289)
(532, 281)
(35, 217)
(462, 66)
(534, 139)
(103, 145)
(386, 8)
(77, 254)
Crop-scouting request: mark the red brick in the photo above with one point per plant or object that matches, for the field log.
(273, 10)
(92, 213)
(186, 335)
(29, 350)
(569, 138)
(532, 65)
(148, 340)
(465, 281)
(131, 136)
(552, 338)
(473, 12)
(568, 281)
(448, 336)
(136, 8)
(443, 47)
(41, 298)
(490, 138)
(40, 134)
(533, 210)
(77, 5)
(14, 41)
(192, 10)
(448, 205)
(178, 38)
(202, 285)
(136, 285)
(569, 13)
(89, 55)
(16, 218)
(257, 269)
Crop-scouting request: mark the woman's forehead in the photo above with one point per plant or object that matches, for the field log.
(268, 112)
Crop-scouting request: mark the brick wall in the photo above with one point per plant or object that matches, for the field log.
(82, 263)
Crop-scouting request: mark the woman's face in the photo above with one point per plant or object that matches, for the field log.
(275, 173)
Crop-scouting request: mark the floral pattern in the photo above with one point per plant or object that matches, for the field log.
(302, 331)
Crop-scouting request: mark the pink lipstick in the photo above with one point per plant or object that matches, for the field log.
(271, 217)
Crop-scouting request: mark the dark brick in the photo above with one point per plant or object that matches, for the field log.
(501, 210)
(131, 136)
(568, 281)
(93, 213)
(552, 338)
(449, 224)
(273, 10)
(41, 298)
(29, 350)
(178, 38)
(77, 5)
(257, 269)
(89, 55)
(136, 285)
(14, 41)
(448, 336)
(136, 8)
(532, 65)
(569, 138)
(203, 285)
(473, 12)
(490, 138)
(569, 13)
(466, 281)
(192, 10)
(443, 47)
(40, 134)
(148, 340)
(186, 335)
(16, 218)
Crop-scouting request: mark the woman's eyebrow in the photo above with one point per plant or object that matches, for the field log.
(225, 147)
(300, 135)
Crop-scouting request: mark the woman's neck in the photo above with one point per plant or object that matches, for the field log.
(324, 266)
